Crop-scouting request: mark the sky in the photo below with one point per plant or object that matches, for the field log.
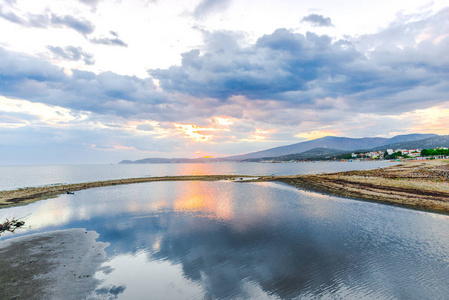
(99, 81)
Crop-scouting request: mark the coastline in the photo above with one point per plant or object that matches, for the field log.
(24, 196)
(421, 185)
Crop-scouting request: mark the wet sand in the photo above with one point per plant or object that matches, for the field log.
(54, 265)
(422, 185)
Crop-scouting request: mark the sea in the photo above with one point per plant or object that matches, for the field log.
(238, 240)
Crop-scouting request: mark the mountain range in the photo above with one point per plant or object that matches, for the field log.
(329, 145)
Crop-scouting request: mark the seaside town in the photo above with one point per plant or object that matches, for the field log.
(404, 154)
(388, 155)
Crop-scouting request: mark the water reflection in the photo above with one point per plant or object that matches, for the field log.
(248, 240)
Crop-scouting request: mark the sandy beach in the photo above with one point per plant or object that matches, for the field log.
(422, 185)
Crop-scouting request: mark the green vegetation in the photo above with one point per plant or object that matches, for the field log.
(394, 155)
(433, 152)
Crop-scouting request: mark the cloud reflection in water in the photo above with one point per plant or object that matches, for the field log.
(260, 240)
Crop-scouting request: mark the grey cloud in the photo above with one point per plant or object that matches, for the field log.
(46, 20)
(318, 20)
(113, 41)
(368, 73)
(72, 53)
(109, 42)
(11, 17)
(92, 3)
(207, 7)
(277, 63)
(105, 93)
(82, 26)
(145, 127)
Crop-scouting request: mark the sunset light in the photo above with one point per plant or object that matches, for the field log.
(196, 133)
(216, 74)
(220, 149)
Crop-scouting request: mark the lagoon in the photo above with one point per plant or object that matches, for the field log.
(221, 240)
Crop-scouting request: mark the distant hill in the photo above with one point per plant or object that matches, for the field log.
(318, 148)
(171, 160)
(408, 138)
(313, 154)
(325, 153)
(427, 143)
(331, 142)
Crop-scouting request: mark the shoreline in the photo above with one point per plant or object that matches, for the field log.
(28, 195)
(53, 265)
(421, 185)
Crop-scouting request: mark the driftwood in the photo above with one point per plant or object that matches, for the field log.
(10, 225)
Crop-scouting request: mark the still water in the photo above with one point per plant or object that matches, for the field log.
(13, 177)
(231, 240)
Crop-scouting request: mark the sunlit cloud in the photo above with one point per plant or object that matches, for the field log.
(195, 133)
(43, 114)
(431, 120)
(223, 121)
(311, 135)
(259, 135)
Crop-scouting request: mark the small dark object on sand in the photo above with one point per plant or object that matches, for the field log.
(70, 193)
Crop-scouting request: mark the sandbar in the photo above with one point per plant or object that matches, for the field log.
(422, 185)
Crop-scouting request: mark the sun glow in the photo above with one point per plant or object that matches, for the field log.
(196, 133)
(223, 121)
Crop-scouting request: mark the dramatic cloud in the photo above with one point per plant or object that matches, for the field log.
(72, 53)
(207, 7)
(305, 70)
(46, 20)
(318, 20)
(112, 41)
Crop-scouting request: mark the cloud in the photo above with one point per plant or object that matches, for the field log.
(30, 78)
(48, 19)
(112, 41)
(375, 73)
(92, 3)
(318, 20)
(81, 26)
(207, 7)
(284, 82)
(72, 53)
